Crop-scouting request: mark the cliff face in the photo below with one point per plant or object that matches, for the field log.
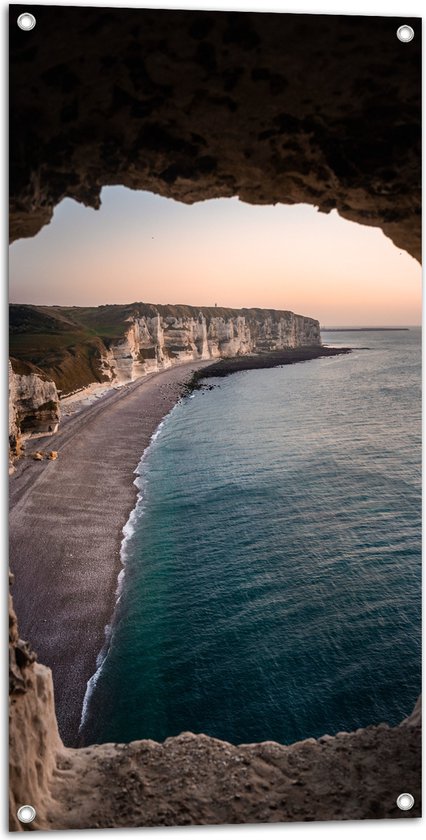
(162, 340)
(195, 779)
(34, 742)
(33, 404)
(77, 346)
(71, 348)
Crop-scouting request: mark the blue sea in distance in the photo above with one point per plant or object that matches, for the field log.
(272, 567)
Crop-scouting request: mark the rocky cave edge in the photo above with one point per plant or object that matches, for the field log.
(323, 110)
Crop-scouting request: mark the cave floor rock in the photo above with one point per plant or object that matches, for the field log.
(194, 779)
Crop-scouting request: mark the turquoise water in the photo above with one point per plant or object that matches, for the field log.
(272, 567)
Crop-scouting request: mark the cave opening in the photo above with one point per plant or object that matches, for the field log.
(143, 247)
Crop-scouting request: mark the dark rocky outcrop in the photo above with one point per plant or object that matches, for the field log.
(320, 109)
(33, 403)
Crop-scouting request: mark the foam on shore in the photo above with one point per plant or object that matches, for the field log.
(128, 531)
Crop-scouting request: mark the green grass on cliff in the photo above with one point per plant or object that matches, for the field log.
(62, 346)
(65, 343)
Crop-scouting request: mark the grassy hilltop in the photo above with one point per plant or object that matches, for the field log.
(65, 344)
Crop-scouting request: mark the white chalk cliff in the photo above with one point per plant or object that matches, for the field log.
(33, 405)
(157, 342)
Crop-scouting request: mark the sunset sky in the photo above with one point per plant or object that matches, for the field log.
(141, 247)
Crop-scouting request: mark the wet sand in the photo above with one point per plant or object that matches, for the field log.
(66, 521)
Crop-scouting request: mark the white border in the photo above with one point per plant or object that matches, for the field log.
(379, 7)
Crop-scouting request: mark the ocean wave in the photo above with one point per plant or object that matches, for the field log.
(128, 531)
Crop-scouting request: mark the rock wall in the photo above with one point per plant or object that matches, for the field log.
(33, 404)
(195, 779)
(162, 340)
(291, 108)
(34, 743)
(14, 428)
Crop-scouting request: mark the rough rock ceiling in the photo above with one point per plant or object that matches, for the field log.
(194, 105)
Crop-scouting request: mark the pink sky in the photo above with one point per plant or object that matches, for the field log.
(143, 247)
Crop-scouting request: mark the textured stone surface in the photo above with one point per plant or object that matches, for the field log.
(33, 404)
(33, 733)
(193, 779)
(163, 340)
(194, 105)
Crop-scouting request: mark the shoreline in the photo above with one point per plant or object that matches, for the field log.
(126, 534)
(66, 529)
(68, 520)
(224, 367)
(263, 361)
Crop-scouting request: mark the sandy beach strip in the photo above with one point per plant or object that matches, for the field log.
(66, 521)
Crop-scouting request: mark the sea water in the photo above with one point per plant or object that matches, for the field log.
(271, 586)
